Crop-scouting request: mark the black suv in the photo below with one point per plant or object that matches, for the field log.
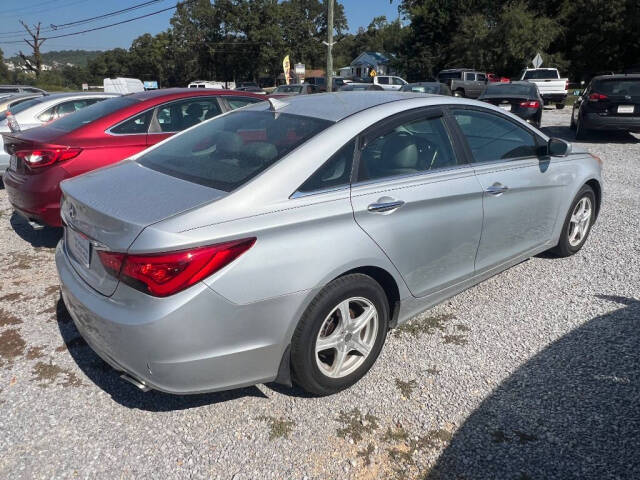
(610, 102)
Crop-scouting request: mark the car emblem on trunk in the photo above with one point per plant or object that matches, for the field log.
(627, 97)
(72, 212)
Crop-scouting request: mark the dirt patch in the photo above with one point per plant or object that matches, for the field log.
(23, 261)
(356, 425)
(7, 319)
(462, 328)
(35, 352)
(53, 289)
(406, 388)
(279, 427)
(366, 453)
(11, 344)
(422, 326)
(48, 373)
(11, 297)
(456, 339)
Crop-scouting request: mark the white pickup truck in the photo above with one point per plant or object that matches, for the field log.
(552, 87)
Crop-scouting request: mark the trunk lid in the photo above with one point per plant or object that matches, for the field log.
(508, 103)
(108, 209)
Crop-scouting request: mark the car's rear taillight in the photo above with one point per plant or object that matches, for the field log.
(531, 104)
(37, 158)
(164, 274)
(596, 97)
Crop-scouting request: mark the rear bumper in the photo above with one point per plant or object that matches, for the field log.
(35, 197)
(553, 97)
(595, 121)
(192, 342)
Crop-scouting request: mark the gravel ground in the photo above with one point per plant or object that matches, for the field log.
(534, 374)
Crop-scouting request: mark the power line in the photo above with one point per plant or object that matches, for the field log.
(57, 7)
(63, 26)
(104, 26)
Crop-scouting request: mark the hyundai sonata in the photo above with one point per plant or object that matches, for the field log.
(283, 240)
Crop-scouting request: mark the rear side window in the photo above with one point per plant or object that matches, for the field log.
(335, 173)
(493, 138)
(230, 150)
(134, 126)
(383, 80)
(21, 107)
(92, 113)
(65, 108)
(417, 146)
(239, 102)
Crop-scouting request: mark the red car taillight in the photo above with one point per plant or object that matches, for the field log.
(45, 157)
(596, 97)
(164, 274)
(532, 104)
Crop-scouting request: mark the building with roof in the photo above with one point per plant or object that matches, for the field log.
(364, 63)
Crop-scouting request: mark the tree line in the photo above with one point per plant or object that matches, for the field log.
(234, 40)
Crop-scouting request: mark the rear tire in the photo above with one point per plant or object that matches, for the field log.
(577, 224)
(572, 123)
(459, 93)
(581, 132)
(559, 106)
(350, 347)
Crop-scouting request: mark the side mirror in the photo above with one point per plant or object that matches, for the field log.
(558, 147)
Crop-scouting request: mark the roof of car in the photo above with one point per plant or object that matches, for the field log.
(618, 76)
(336, 106)
(169, 92)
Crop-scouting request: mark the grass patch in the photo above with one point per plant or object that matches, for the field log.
(278, 427)
(456, 339)
(406, 388)
(423, 326)
(366, 453)
(356, 425)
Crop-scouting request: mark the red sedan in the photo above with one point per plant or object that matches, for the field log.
(101, 135)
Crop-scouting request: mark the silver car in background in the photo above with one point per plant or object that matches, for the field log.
(281, 241)
(41, 110)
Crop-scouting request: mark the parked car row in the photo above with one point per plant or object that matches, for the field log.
(282, 240)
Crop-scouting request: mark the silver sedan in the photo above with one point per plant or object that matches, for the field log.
(41, 110)
(283, 240)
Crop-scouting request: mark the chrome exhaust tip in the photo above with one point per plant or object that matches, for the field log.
(141, 386)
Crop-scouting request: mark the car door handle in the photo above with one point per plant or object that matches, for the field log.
(496, 189)
(385, 206)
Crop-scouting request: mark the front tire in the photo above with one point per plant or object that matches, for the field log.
(559, 106)
(459, 93)
(340, 335)
(578, 223)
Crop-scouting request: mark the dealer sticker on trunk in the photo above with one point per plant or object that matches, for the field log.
(79, 246)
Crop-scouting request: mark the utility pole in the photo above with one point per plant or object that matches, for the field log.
(329, 44)
(35, 44)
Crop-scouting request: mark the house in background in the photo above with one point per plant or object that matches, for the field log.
(363, 64)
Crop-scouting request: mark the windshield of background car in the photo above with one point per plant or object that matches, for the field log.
(421, 88)
(509, 90)
(21, 107)
(91, 113)
(618, 87)
(228, 151)
(541, 74)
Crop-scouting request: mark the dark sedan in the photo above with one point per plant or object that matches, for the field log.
(520, 98)
(436, 88)
(610, 102)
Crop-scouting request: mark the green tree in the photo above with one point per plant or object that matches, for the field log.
(4, 71)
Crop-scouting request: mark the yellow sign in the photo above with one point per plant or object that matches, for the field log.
(286, 66)
(372, 73)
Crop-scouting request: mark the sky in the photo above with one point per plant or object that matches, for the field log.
(58, 12)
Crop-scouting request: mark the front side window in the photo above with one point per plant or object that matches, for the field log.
(230, 150)
(398, 81)
(335, 173)
(239, 102)
(492, 138)
(180, 115)
(481, 77)
(134, 126)
(414, 147)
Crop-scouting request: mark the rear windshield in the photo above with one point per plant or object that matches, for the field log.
(541, 74)
(91, 113)
(618, 87)
(510, 89)
(22, 106)
(288, 89)
(228, 151)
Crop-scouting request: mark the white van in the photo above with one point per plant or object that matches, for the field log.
(123, 85)
(205, 84)
(389, 82)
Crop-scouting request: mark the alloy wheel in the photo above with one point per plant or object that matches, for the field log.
(346, 337)
(580, 221)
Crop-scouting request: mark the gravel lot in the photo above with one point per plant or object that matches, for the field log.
(534, 374)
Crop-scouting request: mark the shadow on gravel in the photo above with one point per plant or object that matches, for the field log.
(48, 237)
(571, 412)
(108, 379)
(564, 132)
